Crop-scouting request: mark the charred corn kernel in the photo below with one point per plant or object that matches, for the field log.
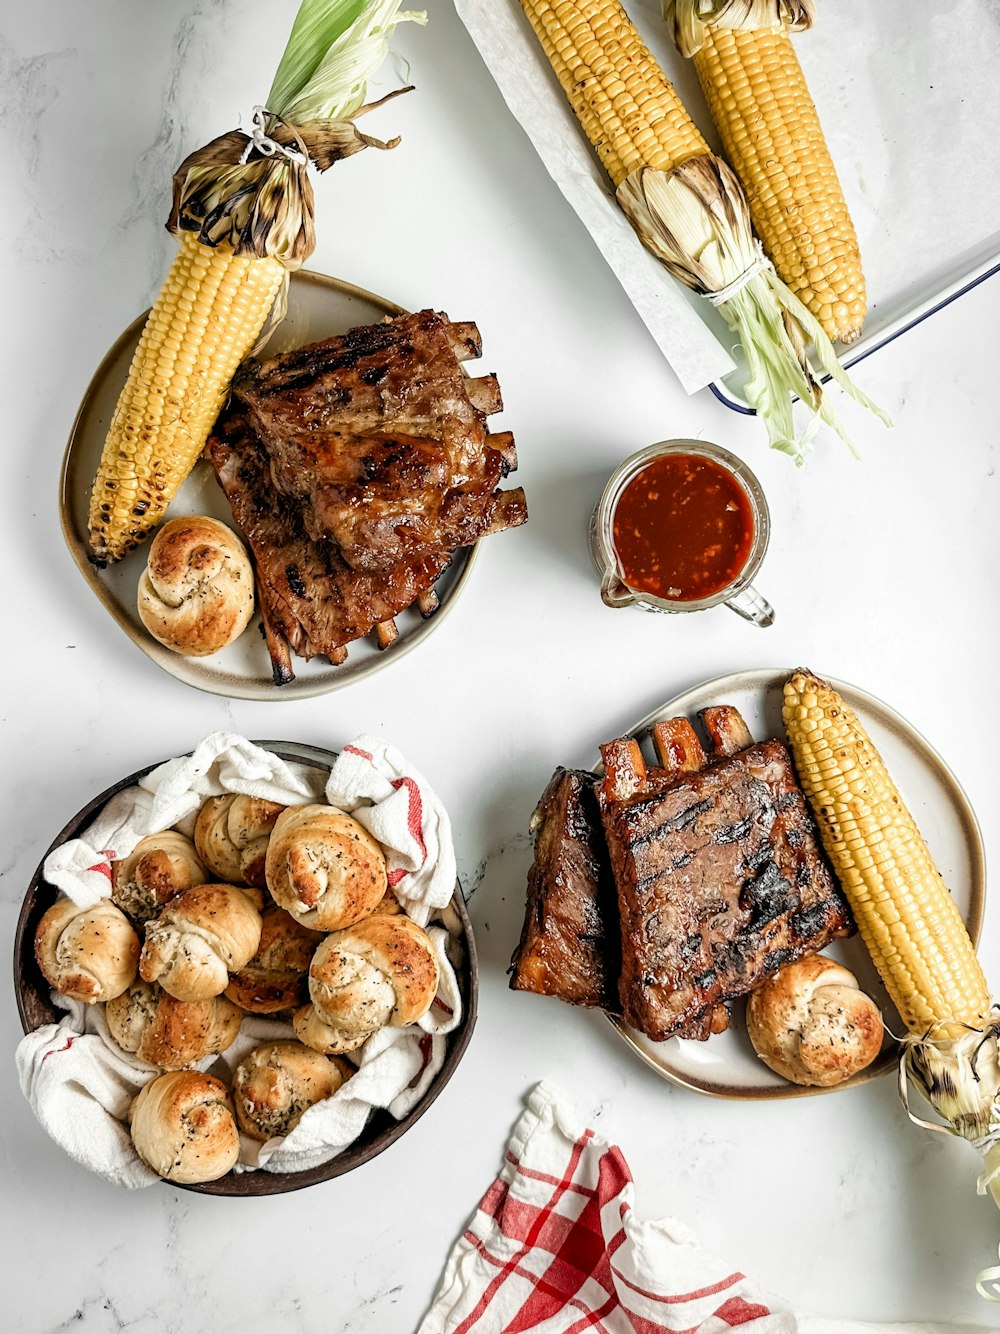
(758, 98)
(206, 319)
(623, 100)
(906, 917)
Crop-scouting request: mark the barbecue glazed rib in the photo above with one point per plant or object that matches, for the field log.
(720, 877)
(311, 602)
(569, 942)
(381, 439)
(357, 467)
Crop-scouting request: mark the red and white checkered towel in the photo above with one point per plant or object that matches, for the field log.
(555, 1248)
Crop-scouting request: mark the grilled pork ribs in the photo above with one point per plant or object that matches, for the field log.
(569, 944)
(357, 467)
(705, 870)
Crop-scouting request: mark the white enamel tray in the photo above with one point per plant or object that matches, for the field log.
(910, 106)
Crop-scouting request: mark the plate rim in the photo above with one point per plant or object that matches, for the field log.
(273, 1183)
(758, 677)
(164, 658)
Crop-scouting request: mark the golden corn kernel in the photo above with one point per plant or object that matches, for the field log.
(624, 102)
(905, 915)
(206, 319)
(760, 103)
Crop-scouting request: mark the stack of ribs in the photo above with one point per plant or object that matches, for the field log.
(664, 893)
(357, 467)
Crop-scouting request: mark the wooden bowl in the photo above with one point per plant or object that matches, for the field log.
(35, 1006)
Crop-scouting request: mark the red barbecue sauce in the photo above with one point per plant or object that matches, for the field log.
(683, 528)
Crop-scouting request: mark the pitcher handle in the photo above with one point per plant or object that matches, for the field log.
(749, 604)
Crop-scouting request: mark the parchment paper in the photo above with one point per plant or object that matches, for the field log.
(909, 101)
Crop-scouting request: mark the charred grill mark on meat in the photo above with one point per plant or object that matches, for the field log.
(357, 467)
(718, 874)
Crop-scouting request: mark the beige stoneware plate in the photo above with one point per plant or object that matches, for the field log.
(318, 307)
(726, 1066)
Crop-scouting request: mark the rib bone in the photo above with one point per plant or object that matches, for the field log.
(726, 729)
(677, 746)
(503, 443)
(386, 633)
(484, 394)
(465, 340)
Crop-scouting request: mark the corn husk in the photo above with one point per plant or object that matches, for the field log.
(696, 221)
(960, 1077)
(690, 20)
(251, 190)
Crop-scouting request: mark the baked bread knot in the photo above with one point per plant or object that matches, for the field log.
(198, 938)
(324, 868)
(89, 954)
(812, 1024)
(231, 835)
(279, 1082)
(169, 1033)
(159, 866)
(196, 592)
(381, 972)
(184, 1128)
(277, 977)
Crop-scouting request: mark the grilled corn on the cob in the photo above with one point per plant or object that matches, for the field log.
(759, 101)
(243, 212)
(905, 914)
(909, 922)
(688, 208)
(207, 318)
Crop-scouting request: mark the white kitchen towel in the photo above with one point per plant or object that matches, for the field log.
(78, 1080)
(374, 783)
(555, 1248)
(170, 797)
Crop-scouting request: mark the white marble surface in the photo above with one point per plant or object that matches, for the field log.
(883, 572)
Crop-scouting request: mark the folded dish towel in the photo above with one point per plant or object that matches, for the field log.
(554, 1247)
(80, 1083)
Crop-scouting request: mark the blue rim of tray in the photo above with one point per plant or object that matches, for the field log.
(722, 394)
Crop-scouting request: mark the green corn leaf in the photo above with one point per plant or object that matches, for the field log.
(334, 48)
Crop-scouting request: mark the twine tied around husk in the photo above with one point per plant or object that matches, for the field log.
(696, 221)
(252, 191)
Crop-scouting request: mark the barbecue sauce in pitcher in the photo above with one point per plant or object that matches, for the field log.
(683, 528)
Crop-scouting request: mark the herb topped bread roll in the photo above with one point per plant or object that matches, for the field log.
(380, 972)
(160, 866)
(200, 937)
(184, 1128)
(196, 592)
(277, 977)
(231, 835)
(324, 868)
(278, 1082)
(170, 1033)
(811, 1023)
(88, 954)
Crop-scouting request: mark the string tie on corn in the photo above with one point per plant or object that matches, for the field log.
(759, 265)
(265, 145)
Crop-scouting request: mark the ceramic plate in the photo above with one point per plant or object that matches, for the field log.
(318, 307)
(35, 1005)
(726, 1066)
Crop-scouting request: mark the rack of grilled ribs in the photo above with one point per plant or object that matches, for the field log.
(716, 876)
(357, 467)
